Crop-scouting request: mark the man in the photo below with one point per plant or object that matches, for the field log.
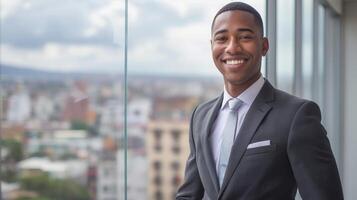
(254, 141)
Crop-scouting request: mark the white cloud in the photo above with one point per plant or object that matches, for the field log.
(110, 14)
(181, 50)
(147, 53)
(9, 6)
(191, 44)
(62, 57)
(175, 44)
(185, 7)
(181, 7)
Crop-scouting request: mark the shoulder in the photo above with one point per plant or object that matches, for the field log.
(285, 99)
(296, 104)
(279, 99)
(208, 104)
(207, 108)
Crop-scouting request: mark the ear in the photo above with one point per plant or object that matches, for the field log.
(265, 46)
(211, 43)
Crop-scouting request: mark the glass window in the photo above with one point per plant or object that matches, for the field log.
(307, 47)
(176, 149)
(285, 44)
(332, 91)
(175, 165)
(62, 90)
(157, 180)
(175, 181)
(158, 148)
(320, 72)
(158, 195)
(157, 165)
(62, 116)
(176, 135)
(158, 133)
(170, 72)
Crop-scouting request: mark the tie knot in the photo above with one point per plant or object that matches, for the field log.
(234, 104)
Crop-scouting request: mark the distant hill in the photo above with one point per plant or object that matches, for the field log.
(15, 72)
(28, 73)
(10, 71)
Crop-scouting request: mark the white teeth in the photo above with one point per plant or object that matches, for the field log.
(234, 62)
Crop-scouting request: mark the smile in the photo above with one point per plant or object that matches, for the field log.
(234, 62)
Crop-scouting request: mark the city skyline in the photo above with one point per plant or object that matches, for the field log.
(73, 131)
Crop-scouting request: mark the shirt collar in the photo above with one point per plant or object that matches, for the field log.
(247, 96)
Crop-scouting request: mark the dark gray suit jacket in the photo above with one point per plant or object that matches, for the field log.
(299, 156)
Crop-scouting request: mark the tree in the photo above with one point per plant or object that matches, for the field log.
(14, 149)
(32, 198)
(79, 125)
(53, 188)
(14, 153)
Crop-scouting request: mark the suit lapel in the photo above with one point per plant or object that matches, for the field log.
(207, 150)
(258, 110)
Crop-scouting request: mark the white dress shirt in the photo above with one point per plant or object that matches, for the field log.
(247, 96)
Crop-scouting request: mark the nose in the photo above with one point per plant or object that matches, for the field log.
(233, 46)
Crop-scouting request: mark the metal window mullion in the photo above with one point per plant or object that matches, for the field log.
(322, 66)
(297, 83)
(315, 52)
(271, 18)
(126, 104)
(328, 77)
(338, 102)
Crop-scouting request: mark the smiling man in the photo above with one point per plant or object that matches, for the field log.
(254, 141)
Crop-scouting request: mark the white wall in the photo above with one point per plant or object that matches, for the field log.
(349, 172)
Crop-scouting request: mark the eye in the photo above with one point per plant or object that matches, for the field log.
(246, 37)
(220, 38)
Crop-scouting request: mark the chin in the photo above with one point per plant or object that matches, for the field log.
(242, 80)
(235, 81)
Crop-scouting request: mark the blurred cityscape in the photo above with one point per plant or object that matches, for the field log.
(62, 135)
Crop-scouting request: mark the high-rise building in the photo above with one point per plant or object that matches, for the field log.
(43, 107)
(167, 150)
(77, 106)
(107, 176)
(19, 107)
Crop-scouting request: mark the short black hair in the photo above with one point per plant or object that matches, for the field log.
(243, 7)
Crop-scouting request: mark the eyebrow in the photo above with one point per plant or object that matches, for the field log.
(238, 30)
(245, 30)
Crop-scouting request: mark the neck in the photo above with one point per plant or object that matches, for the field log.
(235, 89)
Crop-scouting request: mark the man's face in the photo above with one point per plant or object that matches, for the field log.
(237, 47)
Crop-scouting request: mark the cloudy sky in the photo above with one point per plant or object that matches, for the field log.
(165, 36)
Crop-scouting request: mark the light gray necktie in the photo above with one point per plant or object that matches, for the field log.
(228, 137)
